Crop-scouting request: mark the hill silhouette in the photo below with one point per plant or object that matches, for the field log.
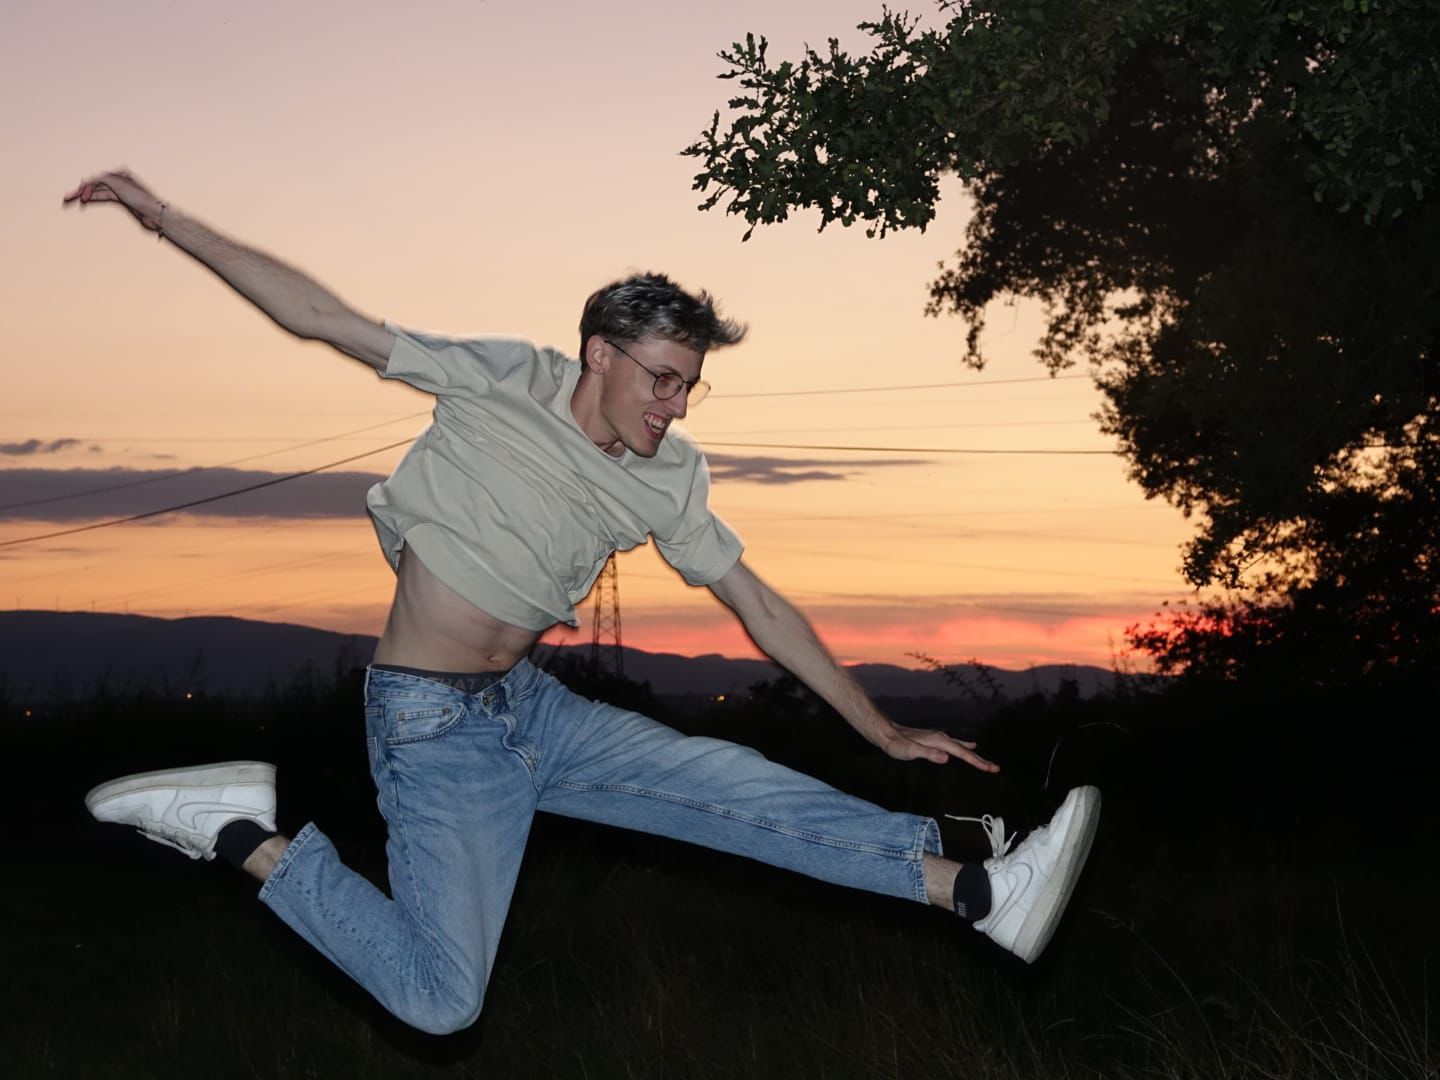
(48, 654)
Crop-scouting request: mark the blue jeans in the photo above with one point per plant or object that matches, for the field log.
(460, 776)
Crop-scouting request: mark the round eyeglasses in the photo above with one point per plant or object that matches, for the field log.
(669, 383)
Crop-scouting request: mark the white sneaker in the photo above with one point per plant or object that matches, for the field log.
(186, 808)
(1030, 886)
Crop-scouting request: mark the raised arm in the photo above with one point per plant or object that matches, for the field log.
(295, 302)
(787, 637)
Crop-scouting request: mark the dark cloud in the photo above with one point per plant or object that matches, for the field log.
(778, 470)
(64, 495)
(36, 446)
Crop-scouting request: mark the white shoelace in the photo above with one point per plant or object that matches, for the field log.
(994, 831)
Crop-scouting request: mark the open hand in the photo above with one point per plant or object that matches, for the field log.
(910, 744)
(120, 187)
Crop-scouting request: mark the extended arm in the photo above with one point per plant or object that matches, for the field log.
(785, 636)
(297, 303)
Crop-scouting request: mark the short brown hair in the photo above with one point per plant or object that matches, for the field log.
(652, 306)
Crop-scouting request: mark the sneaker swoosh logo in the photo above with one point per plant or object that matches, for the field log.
(189, 813)
(1023, 874)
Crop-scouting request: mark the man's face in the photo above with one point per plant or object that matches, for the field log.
(631, 413)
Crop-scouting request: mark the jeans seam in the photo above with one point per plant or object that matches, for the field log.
(926, 830)
(292, 849)
(422, 920)
(910, 853)
(521, 748)
(402, 837)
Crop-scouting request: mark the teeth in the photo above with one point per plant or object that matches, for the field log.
(655, 424)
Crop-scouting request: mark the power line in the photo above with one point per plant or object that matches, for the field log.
(391, 446)
(405, 442)
(411, 416)
(265, 570)
(207, 499)
(792, 430)
(204, 468)
(714, 396)
(913, 386)
(905, 449)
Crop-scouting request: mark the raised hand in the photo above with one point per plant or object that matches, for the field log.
(120, 187)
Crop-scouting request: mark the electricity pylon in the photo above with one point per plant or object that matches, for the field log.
(605, 641)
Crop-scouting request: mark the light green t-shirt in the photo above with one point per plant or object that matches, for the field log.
(509, 503)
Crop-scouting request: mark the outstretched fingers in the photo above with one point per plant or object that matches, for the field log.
(99, 188)
(910, 744)
(92, 191)
(119, 186)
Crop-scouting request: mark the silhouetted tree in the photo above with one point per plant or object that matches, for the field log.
(1227, 210)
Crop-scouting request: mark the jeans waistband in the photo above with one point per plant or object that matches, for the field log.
(467, 682)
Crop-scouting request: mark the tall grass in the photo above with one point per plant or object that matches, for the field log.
(643, 959)
(632, 957)
(1341, 1020)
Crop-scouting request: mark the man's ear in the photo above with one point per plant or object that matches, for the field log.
(597, 355)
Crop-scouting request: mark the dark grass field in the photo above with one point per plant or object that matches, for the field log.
(1255, 910)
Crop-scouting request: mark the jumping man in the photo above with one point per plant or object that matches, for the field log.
(496, 522)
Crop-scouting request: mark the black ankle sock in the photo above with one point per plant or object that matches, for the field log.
(238, 840)
(972, 891)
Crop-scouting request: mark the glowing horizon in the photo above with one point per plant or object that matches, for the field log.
(490, 189)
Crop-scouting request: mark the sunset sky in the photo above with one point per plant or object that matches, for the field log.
(476, 167)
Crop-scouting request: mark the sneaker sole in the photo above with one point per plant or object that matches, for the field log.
(1037, 930)
(222, 774)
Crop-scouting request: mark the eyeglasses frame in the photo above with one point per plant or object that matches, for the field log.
(689, 386)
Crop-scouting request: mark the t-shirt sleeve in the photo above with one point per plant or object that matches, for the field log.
(440, 365)
(702, 548)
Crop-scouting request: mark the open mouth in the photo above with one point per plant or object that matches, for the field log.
(656, 425)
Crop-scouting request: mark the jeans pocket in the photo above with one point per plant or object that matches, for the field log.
(415, 721)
